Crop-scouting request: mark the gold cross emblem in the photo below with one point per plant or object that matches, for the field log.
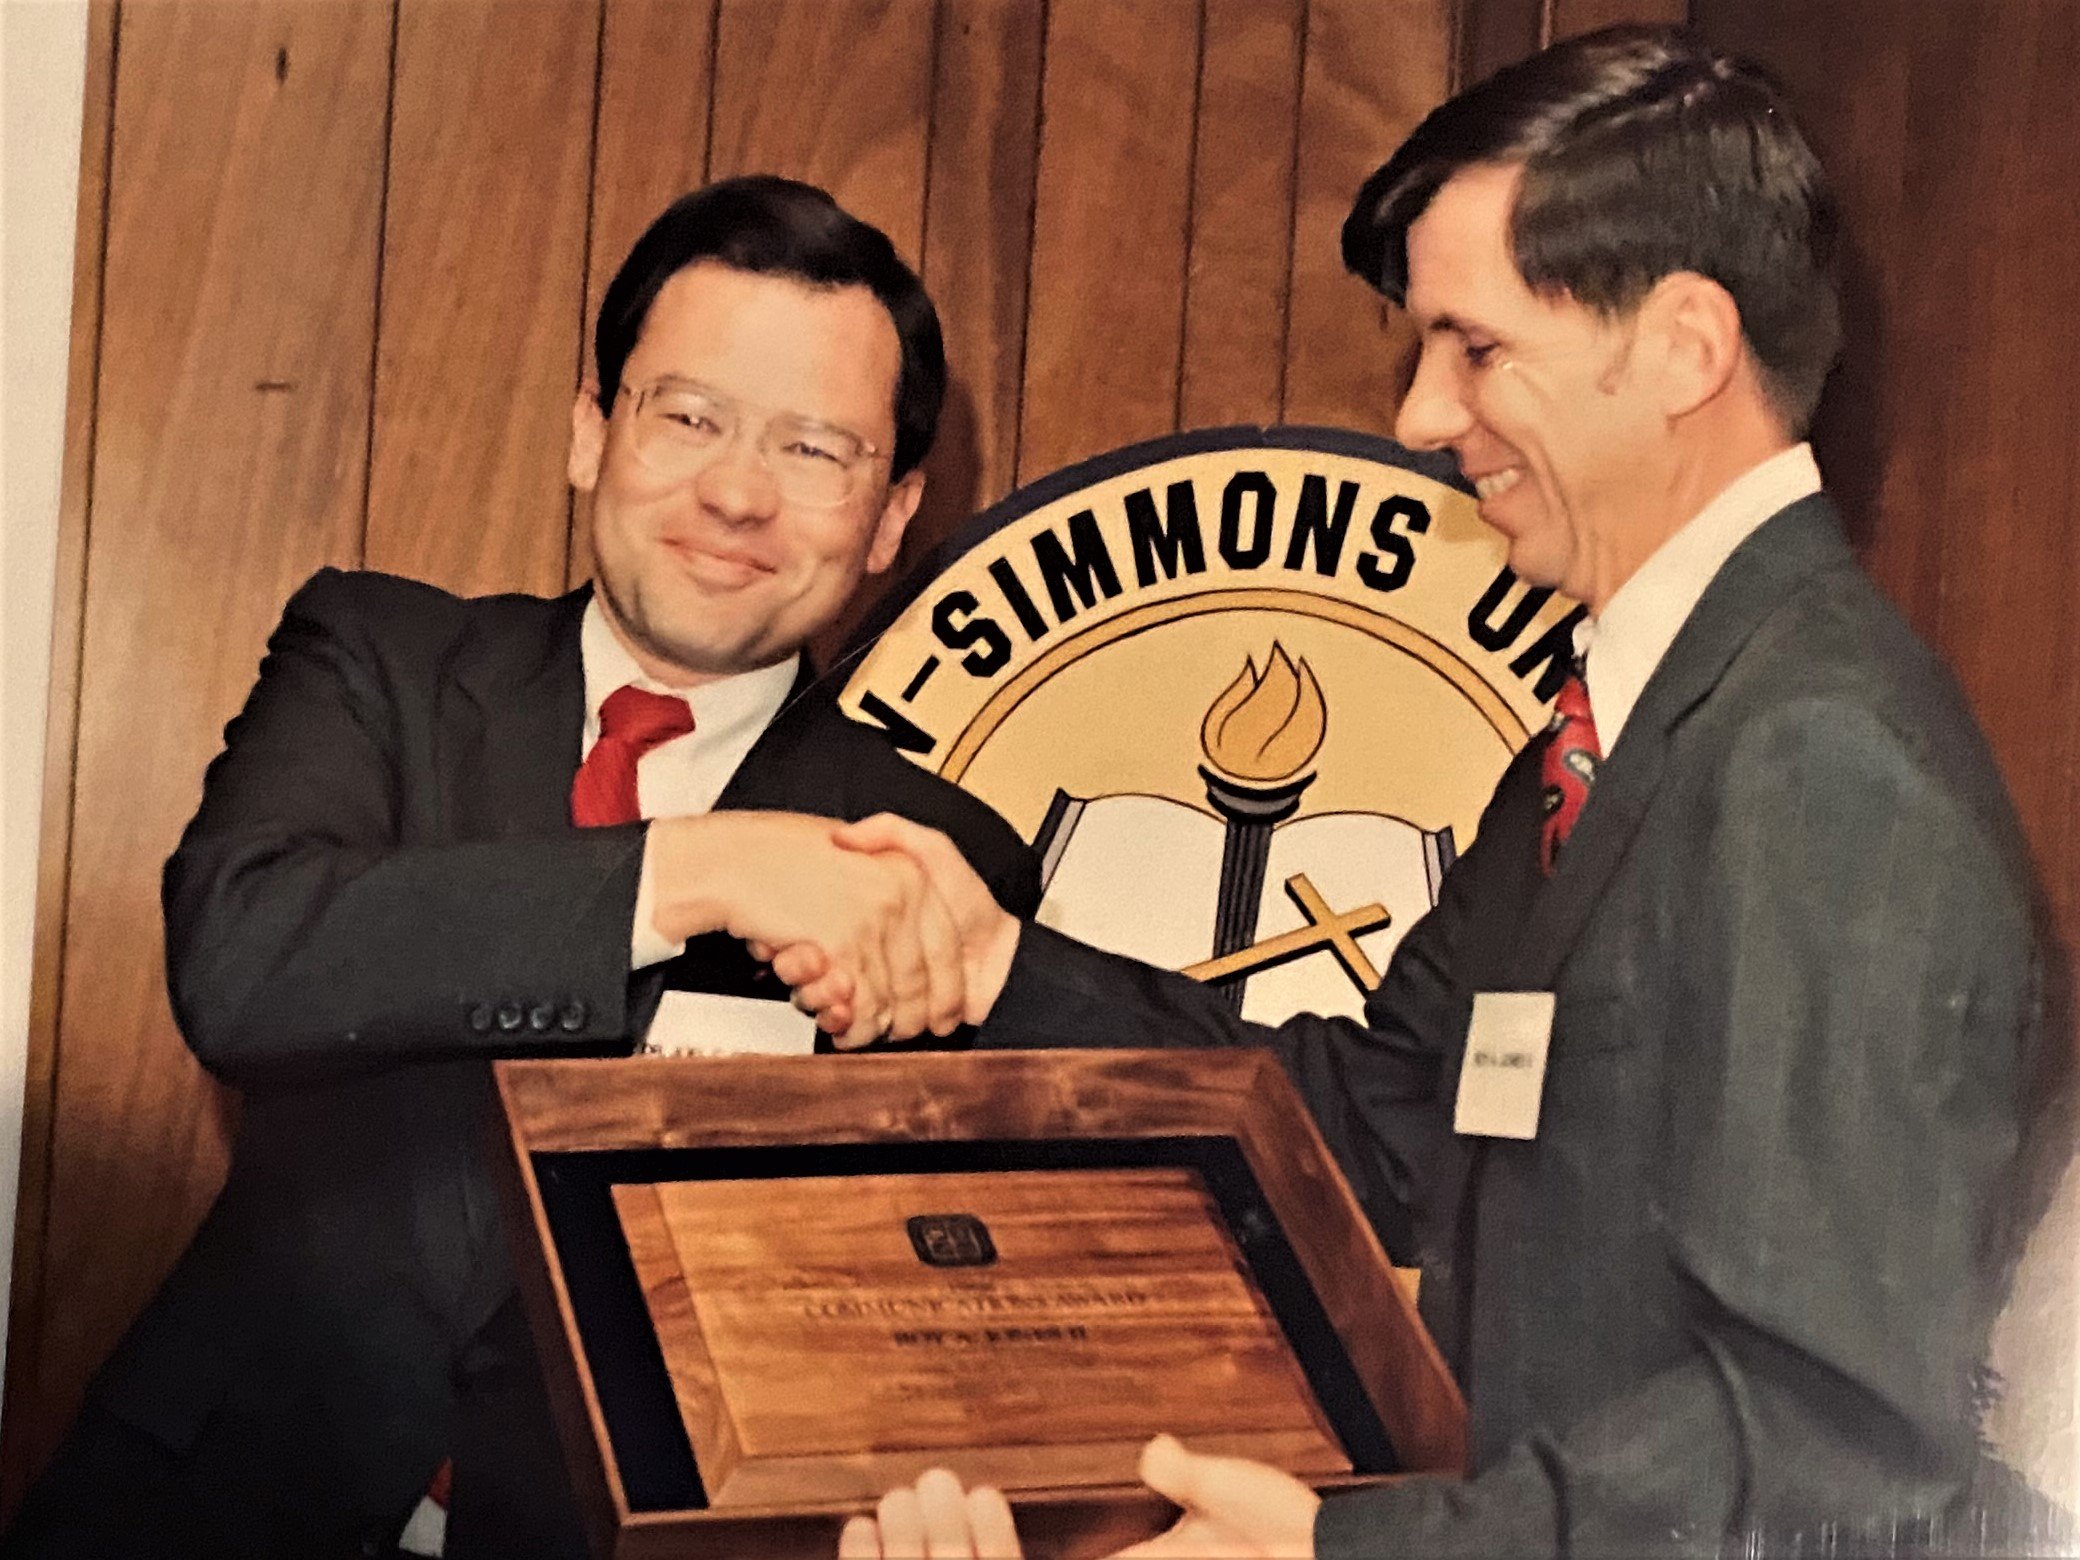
(1325, 928)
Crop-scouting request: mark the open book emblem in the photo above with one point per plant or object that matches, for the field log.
(1268, 868)
(1245, 689)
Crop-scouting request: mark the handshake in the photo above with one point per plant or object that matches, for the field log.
(880, 927)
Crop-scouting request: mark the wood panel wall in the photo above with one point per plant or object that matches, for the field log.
(336, 267)
(232, 238)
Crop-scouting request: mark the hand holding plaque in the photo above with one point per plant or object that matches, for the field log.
(934, 1517)
(835, 1274)
(1233, 1510)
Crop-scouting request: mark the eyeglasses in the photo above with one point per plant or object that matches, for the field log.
(679, 426)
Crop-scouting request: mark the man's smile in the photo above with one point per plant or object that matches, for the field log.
(1494, 484)
(718, 565)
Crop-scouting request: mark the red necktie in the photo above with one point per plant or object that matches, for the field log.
(631, 723)
(1569, 768)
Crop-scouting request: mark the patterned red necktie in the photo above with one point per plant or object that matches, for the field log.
(631, 723)
(1569, 769)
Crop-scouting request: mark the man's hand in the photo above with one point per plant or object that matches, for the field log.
(987, 935)
(935, 1521)
(780, 880)
(1233, 1510)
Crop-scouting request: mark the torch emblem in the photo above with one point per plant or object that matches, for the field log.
(1259, 738)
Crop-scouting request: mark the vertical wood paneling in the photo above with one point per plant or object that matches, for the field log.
(1494, 33)
(651, 147)
(1859, 138)
(1242, 213)
(1571, 18)
(483, 268)
(836, 92)
(977, 239)
(26, 1437)
(1106, 322)
(1373, 69)
(652, 143)
(977, 234)
(231, 428)
(1996, 437)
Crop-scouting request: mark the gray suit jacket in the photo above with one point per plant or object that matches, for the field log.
(1741, 1280)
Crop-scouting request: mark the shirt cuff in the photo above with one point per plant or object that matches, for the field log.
(646, 944)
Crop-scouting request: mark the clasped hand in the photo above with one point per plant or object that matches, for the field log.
(881, 927)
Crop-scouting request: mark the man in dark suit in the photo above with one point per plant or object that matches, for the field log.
(1754, 914)
(401, 868)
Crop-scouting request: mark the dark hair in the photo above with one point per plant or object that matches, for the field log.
(781, 227)
(1645, 152)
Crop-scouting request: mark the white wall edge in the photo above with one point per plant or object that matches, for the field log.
(43, 64)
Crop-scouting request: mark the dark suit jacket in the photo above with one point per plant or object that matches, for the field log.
(382, 889)
(1741, 1279)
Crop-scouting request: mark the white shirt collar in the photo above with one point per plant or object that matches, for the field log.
(1643, 617)
(731, 711)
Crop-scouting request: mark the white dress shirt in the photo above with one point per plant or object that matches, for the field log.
(1641, 620)
(685, 775)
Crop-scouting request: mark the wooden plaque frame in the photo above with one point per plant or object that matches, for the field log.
(575, 1121)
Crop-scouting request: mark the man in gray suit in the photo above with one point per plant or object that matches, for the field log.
(1757, 900)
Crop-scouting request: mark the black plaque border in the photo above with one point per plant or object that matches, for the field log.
(650, 1446)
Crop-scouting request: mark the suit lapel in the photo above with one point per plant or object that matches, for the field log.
(1763, 571)
(751, 786)
(518, 720)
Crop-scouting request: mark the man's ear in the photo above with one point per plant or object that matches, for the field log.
(901, 504)
(1699, 328)
(588, 439)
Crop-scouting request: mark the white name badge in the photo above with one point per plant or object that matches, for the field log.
(1505, 1068)
(699, 1023)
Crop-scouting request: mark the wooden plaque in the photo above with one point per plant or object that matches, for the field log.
(830, 1338)
(765, 1289)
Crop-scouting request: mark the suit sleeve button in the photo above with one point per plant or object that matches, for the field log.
(541, 1016)
(572, 1018)
(509, 1016)
(480, 1017)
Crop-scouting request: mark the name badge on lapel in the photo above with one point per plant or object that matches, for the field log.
(1505, 1068)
